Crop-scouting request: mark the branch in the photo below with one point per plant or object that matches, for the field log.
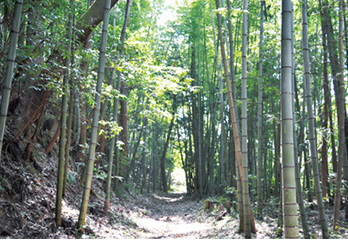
(90, 19)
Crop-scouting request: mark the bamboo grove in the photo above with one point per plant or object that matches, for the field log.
(247, 97)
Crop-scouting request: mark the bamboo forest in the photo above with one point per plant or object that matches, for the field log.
(188, 119)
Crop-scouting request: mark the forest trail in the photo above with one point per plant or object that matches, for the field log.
(176, 215)
(173, 216)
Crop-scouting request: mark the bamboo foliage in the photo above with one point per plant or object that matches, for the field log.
(11, 57)
(96, 112)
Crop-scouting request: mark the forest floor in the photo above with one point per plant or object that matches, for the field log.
(27, 208)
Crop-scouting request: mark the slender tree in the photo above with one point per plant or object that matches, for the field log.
(11, 58)
(216, 47)
(287, 147)
(124, 113)
(163, 158)
(341, 123)
(299, 192)
(116, 85)
(166, 144)
(237, 139)
(310, 116)
(199, 120)
(222, 134)
(247, 227)
(326, 87)
(259, 113)
(68, 143)
(233, 79)
(94, 134)
(62, 139)
(143, 158)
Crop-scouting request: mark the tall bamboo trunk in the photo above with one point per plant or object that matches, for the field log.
(327, 103)
(123, 102)
(287, 138)
(143, 167)
(94, 133)
(212, 180)
(222, 135)
(62, 140)
(68, 138)
(244, 176)
(231, 65)
(154, 162)
(247, 227)
(259, 113)
(11, 58)
(341, 123)
(200, 124)
(299, 192)
(82, 149)
(332, 53)
(115, 85)
(310, 115)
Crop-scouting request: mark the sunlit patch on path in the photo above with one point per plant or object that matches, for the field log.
(173, 216)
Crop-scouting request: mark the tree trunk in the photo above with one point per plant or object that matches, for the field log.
(287, 142)
(332, 53)
(199, 120)
(82, 149)
(163, 158)
(143, 167)
(123, 103)
(11, 58)
(259, 113)
(299, 193)
(115, 85)
(94, 134)
(310, 115)
(68, 143)
(240, 198)
(91, 18)
(327, 103)
(213, 118)
(222, 136)
(154, 162)
(62, 140)
(131, 167)
(276, 157)
(244, 176)
(247, 227)
(341, 123)
(112, 158)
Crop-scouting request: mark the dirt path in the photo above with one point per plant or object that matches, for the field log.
(172, 216)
